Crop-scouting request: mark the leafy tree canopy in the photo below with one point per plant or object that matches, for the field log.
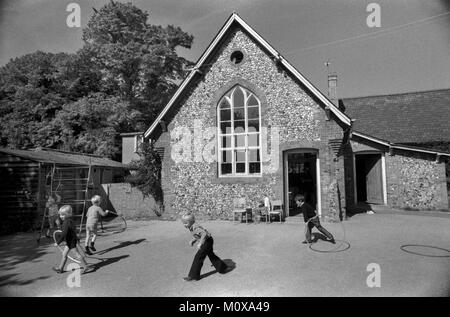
(117, 82)
(138, 59)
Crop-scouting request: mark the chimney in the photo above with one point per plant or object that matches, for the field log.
(332, 88)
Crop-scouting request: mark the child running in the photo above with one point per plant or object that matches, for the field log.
(93, 215)
(69, 235)
(205, 248)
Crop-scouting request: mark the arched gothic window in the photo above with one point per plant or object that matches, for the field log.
(239, 131)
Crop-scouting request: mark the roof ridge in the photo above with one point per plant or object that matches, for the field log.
(397, 94)
(66, 152)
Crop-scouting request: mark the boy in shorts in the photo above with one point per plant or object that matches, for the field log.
(93, 215)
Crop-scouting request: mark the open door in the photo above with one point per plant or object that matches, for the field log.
(300, 178)
(369, 181)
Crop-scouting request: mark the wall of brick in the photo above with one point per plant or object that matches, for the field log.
(128, 201)
(195, 186)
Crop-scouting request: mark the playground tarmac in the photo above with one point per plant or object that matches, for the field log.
(150, 258)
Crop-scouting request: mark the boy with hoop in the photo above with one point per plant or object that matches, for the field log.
(311, 219)
(93, 215)
(69, 235)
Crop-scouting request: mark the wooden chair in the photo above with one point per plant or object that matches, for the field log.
(266, 209)
(265, 213)
(239, 208)
(276, 208)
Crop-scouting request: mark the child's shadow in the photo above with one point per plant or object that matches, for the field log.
(231, 265)
(120, 245)
(107, 261)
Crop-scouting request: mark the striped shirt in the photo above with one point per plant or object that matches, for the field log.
(198, 231)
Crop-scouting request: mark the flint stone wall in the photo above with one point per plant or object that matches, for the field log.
(416, 181)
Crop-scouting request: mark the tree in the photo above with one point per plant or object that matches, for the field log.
(90, 124)
(30, 96)
(137, 58)
(117, 82)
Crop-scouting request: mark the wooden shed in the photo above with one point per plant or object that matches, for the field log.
(28, 176)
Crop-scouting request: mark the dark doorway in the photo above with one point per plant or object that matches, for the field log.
(369, 186)
(301, 178)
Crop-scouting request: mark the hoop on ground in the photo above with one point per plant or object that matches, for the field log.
(426, 250)
(56, 235)
(340, 246)
(113, 224)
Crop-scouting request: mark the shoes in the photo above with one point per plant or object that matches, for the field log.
(189, 279)
(92, 247)
(87, 251)
(226, 270)
(57, 270)
(306, 242)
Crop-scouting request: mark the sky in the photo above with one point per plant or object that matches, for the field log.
(410, 51)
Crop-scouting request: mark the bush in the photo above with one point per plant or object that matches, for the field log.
(146, 175)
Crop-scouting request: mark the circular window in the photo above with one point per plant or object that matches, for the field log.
(236, 57)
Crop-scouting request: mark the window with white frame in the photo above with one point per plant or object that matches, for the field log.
(239, 136)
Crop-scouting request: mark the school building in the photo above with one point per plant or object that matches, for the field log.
(245, 123)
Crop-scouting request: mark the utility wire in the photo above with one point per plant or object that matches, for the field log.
(372, 34)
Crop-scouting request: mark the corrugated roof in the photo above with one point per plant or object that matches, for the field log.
(62, 157)
(417, 117)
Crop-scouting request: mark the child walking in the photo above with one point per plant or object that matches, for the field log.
(93, 215)
(69, 235)
(310, 217)
(205, 248)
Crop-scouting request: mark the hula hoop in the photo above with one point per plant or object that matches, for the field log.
(117, 225)
(336, 249)
(338, 245)
(406, 246)
(55, 234)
